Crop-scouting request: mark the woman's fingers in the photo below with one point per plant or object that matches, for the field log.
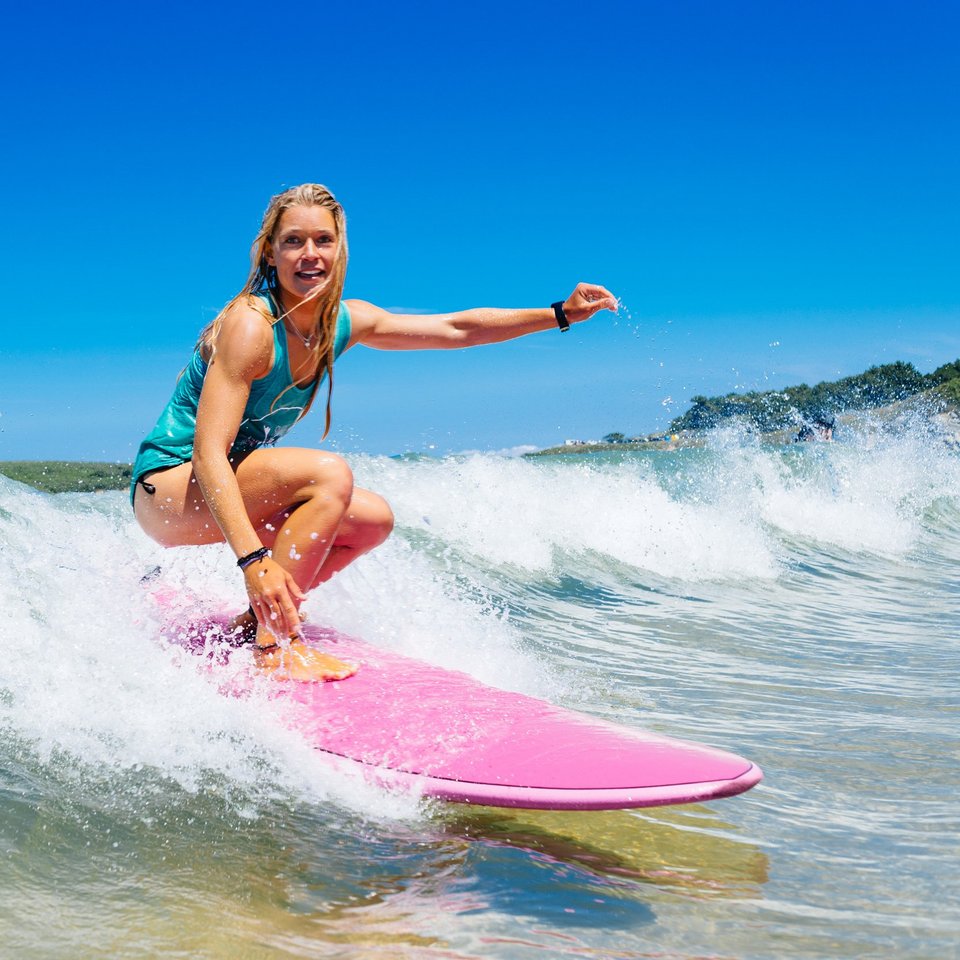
(278, 615)
(294, 588)
(272, 590)
(586, 300)
(593, 291)
(289, 615)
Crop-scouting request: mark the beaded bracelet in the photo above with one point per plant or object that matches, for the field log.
(245, 562)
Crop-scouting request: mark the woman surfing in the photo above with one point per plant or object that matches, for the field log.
(209, 471)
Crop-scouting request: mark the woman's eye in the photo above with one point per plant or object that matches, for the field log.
(291, 240)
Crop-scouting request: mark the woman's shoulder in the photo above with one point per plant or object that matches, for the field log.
(244, 335)
(247, 318)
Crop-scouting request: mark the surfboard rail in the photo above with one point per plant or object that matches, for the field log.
(543, 798)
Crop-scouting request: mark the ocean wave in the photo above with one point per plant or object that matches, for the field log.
(537, 574)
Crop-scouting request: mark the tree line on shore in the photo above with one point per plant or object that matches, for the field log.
(65, 476)
(771, 410)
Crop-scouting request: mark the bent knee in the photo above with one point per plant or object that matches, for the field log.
(370, 518)
(383, 518)
(331, 477)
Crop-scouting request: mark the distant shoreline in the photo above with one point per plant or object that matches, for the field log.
(574, 449)
(68, 476)
(686, 440)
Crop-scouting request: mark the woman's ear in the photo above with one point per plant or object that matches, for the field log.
(268, 255)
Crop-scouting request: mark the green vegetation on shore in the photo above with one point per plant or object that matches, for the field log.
(617, 446)
(779, 413)
(782, 409)
(59, 476)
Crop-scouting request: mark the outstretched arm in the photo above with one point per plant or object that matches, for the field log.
(375, 327)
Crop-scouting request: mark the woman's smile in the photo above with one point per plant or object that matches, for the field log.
(309, 275)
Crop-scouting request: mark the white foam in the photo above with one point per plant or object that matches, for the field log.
(84, 676)
(533, 514)
(867, 493)
(85, 681)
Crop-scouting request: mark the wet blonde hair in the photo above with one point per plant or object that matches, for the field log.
(263, 279)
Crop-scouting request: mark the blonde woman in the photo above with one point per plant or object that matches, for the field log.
(208, 472)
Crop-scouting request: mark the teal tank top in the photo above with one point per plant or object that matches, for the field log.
(170, 443)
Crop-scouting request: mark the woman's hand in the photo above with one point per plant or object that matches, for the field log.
(272, 591)
(586, 300)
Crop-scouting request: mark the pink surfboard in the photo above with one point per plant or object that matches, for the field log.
(415, 727)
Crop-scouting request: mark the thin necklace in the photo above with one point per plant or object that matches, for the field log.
(292, 327)
(289, 324)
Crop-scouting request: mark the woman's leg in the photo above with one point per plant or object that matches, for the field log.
(367, 522)
(297, 500)
(303, 504)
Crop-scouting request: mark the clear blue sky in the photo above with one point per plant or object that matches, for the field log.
(771, 188)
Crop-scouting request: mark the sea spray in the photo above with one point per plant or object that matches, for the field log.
(794, 604)
(535, 516)
(92, 687)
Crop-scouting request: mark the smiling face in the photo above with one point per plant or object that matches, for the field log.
(303, 250)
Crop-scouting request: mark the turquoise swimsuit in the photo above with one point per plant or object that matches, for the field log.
(170, 443)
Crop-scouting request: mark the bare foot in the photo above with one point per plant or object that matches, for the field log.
(298, 661)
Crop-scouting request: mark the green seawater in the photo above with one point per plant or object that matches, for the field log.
(800, 607)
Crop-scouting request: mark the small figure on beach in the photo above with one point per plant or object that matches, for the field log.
(209, 471)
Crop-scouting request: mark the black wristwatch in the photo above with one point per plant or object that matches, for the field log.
(562, 322)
